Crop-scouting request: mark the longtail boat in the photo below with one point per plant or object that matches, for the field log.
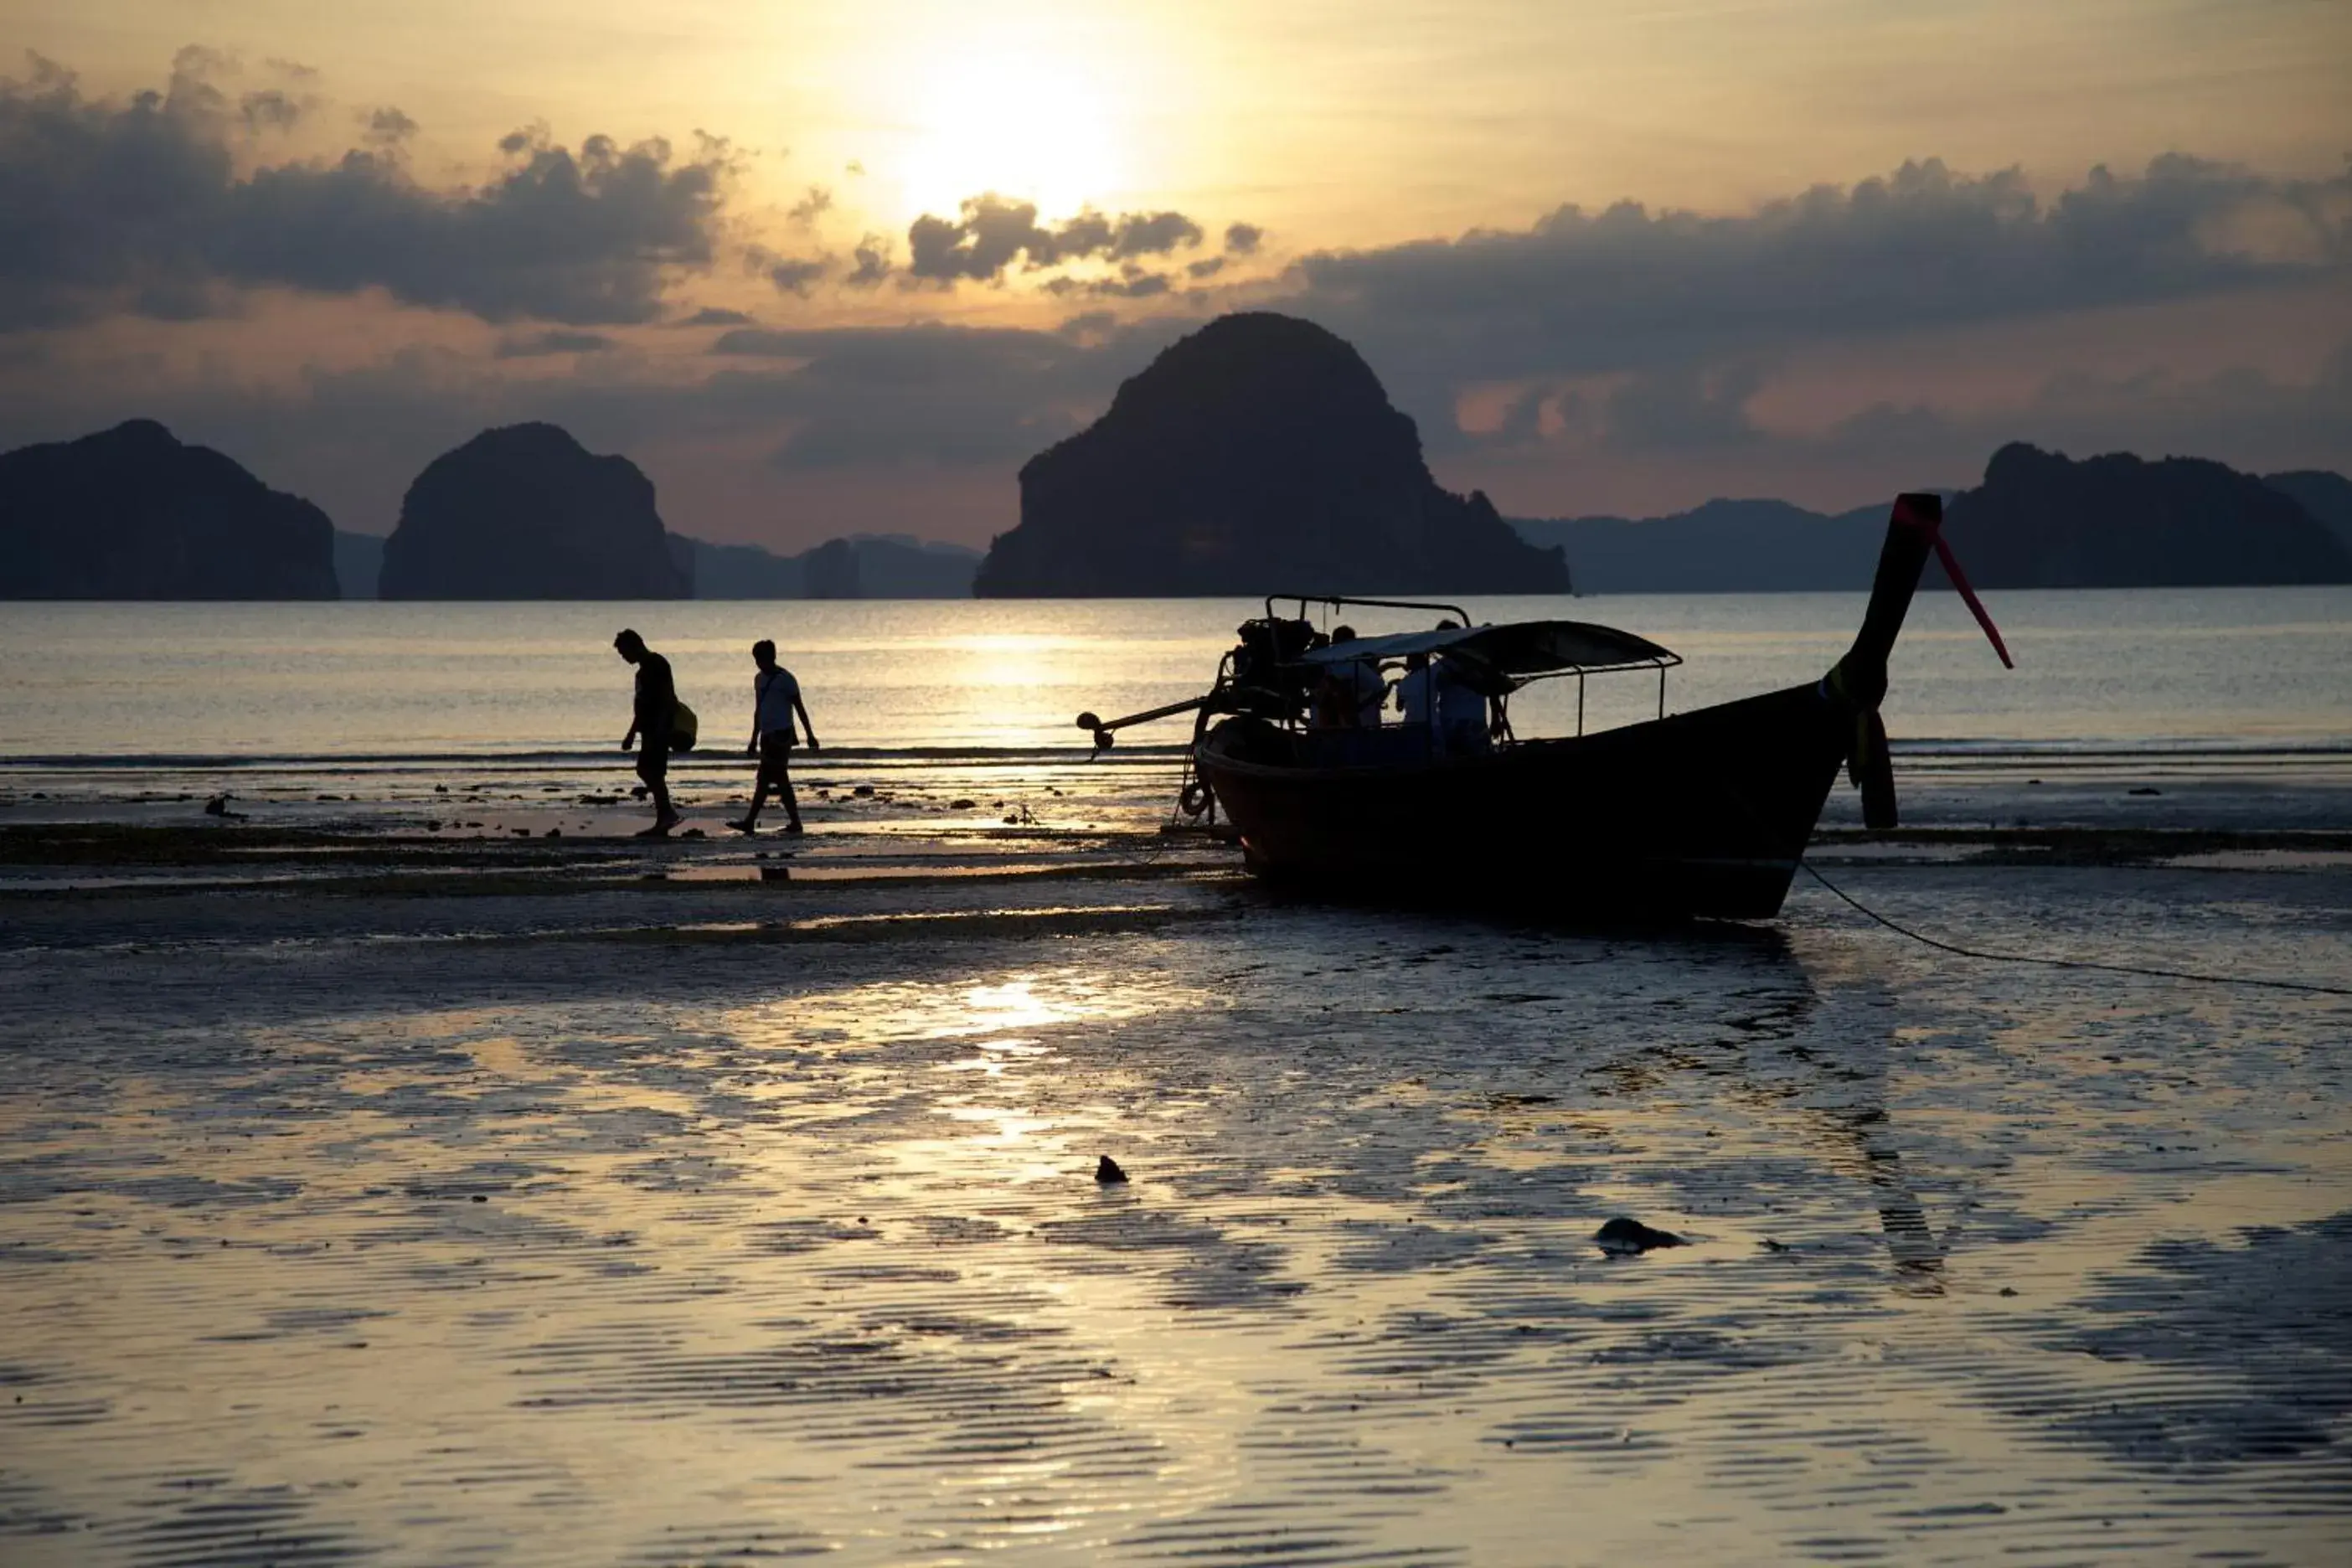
(1702, 813)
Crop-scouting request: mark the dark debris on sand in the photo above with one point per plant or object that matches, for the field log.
(1625, 1237)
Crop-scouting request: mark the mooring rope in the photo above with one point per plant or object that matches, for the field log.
(2151, 971)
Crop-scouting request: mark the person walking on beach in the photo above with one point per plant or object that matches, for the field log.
(775, 698)
(650, 722)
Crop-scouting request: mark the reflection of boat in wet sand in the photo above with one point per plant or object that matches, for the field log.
(1703, 813)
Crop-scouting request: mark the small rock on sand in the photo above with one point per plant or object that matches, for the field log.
(1626, 1237)
(1107, 1171)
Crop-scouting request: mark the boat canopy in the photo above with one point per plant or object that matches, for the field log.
(1522, 649)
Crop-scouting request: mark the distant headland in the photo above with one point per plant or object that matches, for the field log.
(526, 512)
(2038, 519)
(1258, 453)
(135, 513)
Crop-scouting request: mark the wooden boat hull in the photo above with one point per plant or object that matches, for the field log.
(1701, 813)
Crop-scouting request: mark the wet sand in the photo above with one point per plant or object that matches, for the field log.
(369, 1196)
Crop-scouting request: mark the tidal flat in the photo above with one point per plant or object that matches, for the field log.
(369, 1199)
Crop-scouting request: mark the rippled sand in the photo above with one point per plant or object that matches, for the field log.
(439, 1212)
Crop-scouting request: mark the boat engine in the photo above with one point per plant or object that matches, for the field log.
(1266, 680)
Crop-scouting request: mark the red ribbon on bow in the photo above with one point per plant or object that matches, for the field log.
(1905, 515)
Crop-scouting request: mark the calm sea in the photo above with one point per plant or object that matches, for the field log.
(2237, 669)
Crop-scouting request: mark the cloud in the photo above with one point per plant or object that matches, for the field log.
(917, 396)
(2241, 414)
(1625, 287)
(1133, 283)
(389, 127)
(993, 232)
(811, 207)
(930, 396)
(1152, 234)
(1675, 410)
(873, 258)
(555, 341)
(713, 316)
(1242, 238)
(794, 274)
(1208, 267)
(1676, 437)
(270, 111)
(139, 205)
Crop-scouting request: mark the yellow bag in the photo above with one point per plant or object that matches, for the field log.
(684, 728)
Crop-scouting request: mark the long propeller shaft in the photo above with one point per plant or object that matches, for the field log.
(1103, 728)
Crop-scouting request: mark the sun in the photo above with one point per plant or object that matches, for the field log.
(1017, 120)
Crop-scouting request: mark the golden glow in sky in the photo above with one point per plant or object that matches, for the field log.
(1331, 122)
(748, 303)
(1018, 119)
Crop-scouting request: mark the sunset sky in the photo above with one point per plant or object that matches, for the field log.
(834, 269)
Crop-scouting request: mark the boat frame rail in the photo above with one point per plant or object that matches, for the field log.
(1663, 661)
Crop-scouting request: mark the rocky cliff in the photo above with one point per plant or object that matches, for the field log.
(134, 513)
(526, 512)
(2328, 497)
(1260, 453)
(2040, 520)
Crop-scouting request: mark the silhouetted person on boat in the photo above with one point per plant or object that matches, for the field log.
(651, 722)
(776, 699)
(1464, 724)
(1416, 693)
(1350, 696)
(1433, 693)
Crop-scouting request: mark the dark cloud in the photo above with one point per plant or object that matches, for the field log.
(1207, 267)
(991, 233)
(555, 341)
(270, 111)
(712, 316)
(1089, 326)
(1702, 426)
(1133, 283)
(930, 396)
(811, 207)
(1670, 410)
(1152, 234)
(796, 274)
(2242, 416)
(292, 71)
(1241, 238)
(139, 205)
(388, 127)
(1923, 248)
(873, 258)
